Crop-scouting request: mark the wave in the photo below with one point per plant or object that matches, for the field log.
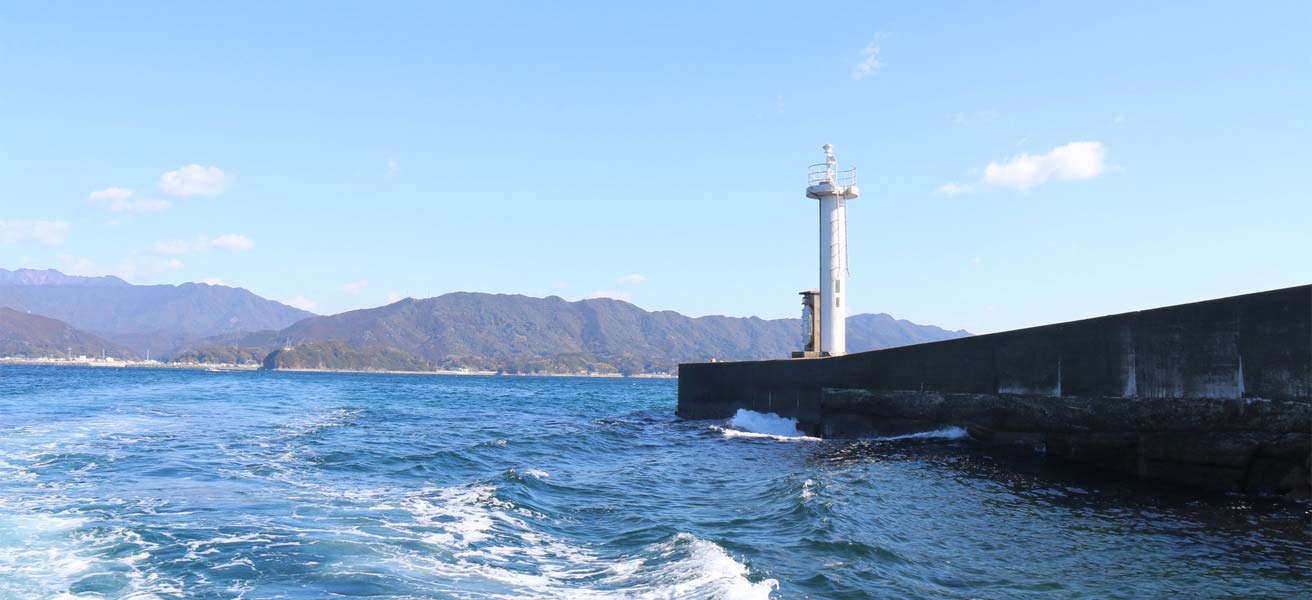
(47, 555)
(688, 567)
(751, 424)
(468, 533)
(314, 423)
(946, 433)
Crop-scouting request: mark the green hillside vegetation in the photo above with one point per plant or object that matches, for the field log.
(519, 334)
(34, 336)
(342, 357)
(222, 355)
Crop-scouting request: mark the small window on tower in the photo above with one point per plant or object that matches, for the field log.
(838, 286)
(838, 302)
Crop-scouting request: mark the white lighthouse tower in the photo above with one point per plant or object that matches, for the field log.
(833, 188)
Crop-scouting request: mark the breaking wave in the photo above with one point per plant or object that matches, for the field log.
(947, 433)
(751, 424)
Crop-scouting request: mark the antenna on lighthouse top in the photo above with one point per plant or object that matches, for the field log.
(829, 155)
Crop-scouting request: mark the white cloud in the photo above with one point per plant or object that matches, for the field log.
(233, 242)
(952, 189)
(82, 267)
(355, 287)
(122, 200)
(301, 302)
(50, 233)
(172, 247)
(395, 297)
(145, 269)
(133, 269)
(194, 180)
(869, 64)
(113, 194)
(632, 278)
(1074, 161)
(393, 168)
(613, 295)
(1118, 120)
(213, 281)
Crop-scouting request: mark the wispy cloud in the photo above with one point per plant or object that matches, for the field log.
(393, 168)
(194, 180)
(632, 278)
(355, 287)
(869, 64)
(952, 189)
(123, 200)
(301, 302)
(1071, 162)
(232, 242)
(50, 233)
(80, 266)
(612, 294)
(137, 268)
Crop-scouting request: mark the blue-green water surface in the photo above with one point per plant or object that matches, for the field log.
(136, 483)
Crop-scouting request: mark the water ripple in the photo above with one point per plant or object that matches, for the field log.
(176, 485)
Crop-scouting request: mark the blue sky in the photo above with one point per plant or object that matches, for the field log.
(1020, 163)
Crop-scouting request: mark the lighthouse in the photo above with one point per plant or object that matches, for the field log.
(832, 187)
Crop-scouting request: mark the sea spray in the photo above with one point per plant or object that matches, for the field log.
(752, 424)
(947, 433)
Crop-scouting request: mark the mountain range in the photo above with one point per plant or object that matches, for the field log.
(34, 336)
(457, 331)
(520, 334)
(156, 318)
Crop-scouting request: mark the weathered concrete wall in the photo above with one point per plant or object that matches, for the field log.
(1215, 393)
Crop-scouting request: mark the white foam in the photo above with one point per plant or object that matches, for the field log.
(752, 424)
(473, 534)
(314, 423)
(947, 433)
(42, 555)
(689, 567)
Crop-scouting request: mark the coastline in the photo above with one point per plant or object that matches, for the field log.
(487, 373)
(115, 364)
(122, 364)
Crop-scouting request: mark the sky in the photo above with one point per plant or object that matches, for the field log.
(1019, 163)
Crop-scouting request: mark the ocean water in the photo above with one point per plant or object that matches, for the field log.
(124, 483)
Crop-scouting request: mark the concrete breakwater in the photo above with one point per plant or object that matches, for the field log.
(1216, 394)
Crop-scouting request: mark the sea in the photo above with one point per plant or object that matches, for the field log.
(157, 483)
